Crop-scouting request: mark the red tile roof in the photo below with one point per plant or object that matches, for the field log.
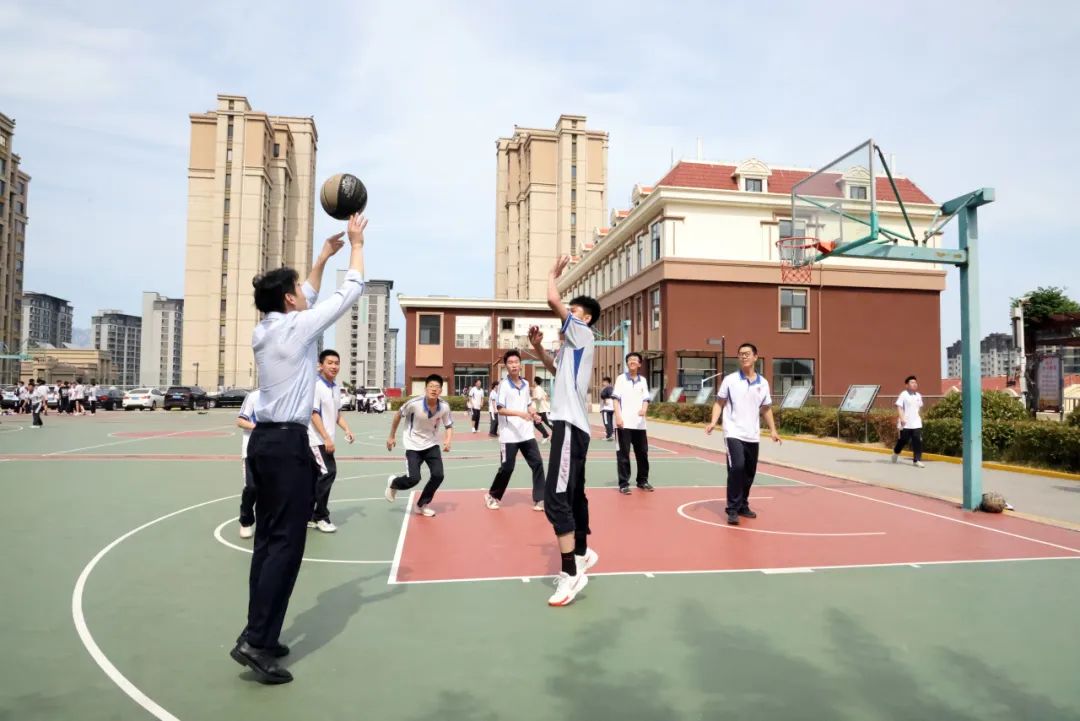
(999, 383)
(721, 177)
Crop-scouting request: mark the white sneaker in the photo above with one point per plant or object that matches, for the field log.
(326, 526)
(474, 430)
(391, 493)
(423, 511)
(920, 464)
(586, 562)
(491, 502)
(311, 524)
(895, 458)
(247, 531)
(538, 506)
(546, 441)
(567, 588)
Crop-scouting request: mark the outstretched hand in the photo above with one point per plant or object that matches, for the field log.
(357, 223)
(560, 266)
(536, 337)
(332, 245)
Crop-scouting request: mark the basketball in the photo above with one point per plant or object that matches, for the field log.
(343, 195)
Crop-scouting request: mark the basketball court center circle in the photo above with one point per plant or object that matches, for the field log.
(681, 510)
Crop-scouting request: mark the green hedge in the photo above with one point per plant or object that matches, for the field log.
(1073, 419)
(996, 406)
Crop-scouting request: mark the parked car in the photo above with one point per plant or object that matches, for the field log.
(189, 397)
(110, 399)
(52, 398)
(373, 402)
(143, 398)
(232, 398)
(9, 397)
(348, 401)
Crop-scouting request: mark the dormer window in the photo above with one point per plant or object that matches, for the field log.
(857, 192)
(753, 185)
(752, 176)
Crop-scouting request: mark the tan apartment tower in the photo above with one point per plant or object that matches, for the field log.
(251, 189)
(550, 195)
(13, 218)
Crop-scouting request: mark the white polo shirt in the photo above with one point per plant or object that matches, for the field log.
(910, 404)
(574, 363)
(247, 412)
(285, 352)
(327, 402)
(476, 398)
(78, 392)
(422, 424)
(631, 395)
(514, 398)
(742, 409)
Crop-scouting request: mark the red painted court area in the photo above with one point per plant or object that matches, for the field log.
(814, 522)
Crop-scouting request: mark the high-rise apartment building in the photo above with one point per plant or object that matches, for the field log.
(121, 335)
(251, 185)
(550, 196)
(14, 184)
(162, 336)
(46, 321)
(364, 340)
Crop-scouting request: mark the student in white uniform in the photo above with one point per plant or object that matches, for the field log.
(78, 393)
(246, 421)
(476, 403)
(493, 411)
(423, 417)
(908, 407)
(744, 399)
(607, 408)
(565, 503)
(325, 418)
(516, 433)
(631, 397)
(286, 355)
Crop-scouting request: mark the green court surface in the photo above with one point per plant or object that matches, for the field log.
(125, 585)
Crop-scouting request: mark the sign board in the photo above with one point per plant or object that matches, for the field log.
(1050, 383)
(795, 397)
(704, 395)
(653, 395)
(858, 399)
(675, 395)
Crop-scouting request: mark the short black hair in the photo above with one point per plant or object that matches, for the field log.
(510, 354)
(909, 379)
(478, 380)
(327, 353)
(591, 306)
(751, 346)
(434, 378)
(607, 379)
(634, 353)
(271, 287)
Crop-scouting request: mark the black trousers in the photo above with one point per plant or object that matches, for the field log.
(625, 439)
(36, 410)
(609, 423)
(284, 473)
(540, 427)
(476, 419)
(247, 497)
(565, 504)
(493, 429)
(530, 451)
(327, 474)
(913, 436)
(742, 467)
(432, 457)
(545, 421)
(92, 405)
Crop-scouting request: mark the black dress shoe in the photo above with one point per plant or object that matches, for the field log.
(733, 518)
(747, 513)
(646, 486)
(263, 663)
(278, 650)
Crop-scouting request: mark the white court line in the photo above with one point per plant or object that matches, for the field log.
(398, 460)
(703, 572)
(395, 564)
(87, 639)
(221, 539)
(16, 429)
(682, 512)
(927, 513)
(132, 440)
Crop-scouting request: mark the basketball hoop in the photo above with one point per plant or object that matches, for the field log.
(797, 255)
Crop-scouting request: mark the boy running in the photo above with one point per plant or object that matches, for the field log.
(325, 418)
(565, 503)
(514, 404)
(424, 414)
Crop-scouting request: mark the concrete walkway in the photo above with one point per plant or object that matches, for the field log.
(1039, 495)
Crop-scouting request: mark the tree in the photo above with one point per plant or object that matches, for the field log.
(1042, 302)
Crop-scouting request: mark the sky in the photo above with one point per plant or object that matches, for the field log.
(411, 96)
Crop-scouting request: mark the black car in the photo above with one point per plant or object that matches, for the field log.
(189, 397)
(232, 398)
(110, 399)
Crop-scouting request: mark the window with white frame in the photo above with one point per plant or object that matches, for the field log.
(654, 239)
(627, 255)
(753, 185)
(858, 192)
(655, 308)
(641, 252)
(793, 308)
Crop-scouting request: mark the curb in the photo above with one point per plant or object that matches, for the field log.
(989, 465)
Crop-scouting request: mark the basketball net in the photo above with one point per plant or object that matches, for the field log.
(797, 255)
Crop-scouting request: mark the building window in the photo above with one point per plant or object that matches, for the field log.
(789, 230)
(573, 171)
(506, 324)
(430, 329)
(654, 238)
(858, 192)
(641, 252)
(655, 308)
(573, 244)
(752, 185)
(694, 373)
(788, 372)
(793, 303)
(226, 206)
(277, 150)
(228, 155)
(225, 229)
(573, 220)
(573, 196)
(228, 181)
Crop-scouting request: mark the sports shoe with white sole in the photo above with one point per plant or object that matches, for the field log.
(587, 561)
(311, 524)
(491, 502)
(423, 511)
(391, 493)
(247, 531)
(567, 588)
(920, 464)
(326, 526)
(538, 506)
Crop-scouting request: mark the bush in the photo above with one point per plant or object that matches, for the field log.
(1073, 419)
(1046, 443)
(996, 406)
